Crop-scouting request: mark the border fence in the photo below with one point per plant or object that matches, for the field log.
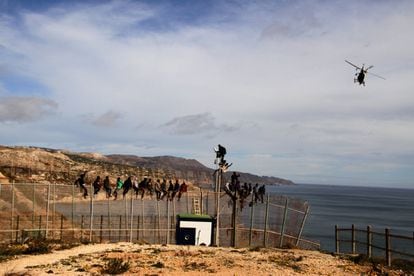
(58, 211)
(373, 242)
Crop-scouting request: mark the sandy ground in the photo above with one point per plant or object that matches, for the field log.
(185, 260)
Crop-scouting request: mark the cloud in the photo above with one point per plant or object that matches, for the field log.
(107, 119)
(25, 109)
(196, 124)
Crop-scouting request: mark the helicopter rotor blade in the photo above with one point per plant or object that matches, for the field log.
(378, 76)
(369, 67)
(352, 65)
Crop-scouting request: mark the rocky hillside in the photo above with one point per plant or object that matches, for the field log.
(32, 164)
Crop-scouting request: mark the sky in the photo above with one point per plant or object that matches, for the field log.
(265, 79)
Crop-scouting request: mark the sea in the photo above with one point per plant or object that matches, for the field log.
(332, 205)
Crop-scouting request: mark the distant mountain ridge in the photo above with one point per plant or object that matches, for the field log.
(43, 164)
(190, 168)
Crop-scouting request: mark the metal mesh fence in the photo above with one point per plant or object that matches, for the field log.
(58, 211)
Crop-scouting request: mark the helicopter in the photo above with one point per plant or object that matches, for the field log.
(360, 76)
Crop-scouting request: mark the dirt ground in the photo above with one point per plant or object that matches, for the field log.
(135, 259)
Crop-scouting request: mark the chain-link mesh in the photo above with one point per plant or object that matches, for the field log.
(58, 211)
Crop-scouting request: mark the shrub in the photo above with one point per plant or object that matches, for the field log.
(116, 266)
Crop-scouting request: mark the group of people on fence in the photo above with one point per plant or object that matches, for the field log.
(162, 189)
(237, 191)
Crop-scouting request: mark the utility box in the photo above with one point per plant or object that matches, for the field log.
(194, 229)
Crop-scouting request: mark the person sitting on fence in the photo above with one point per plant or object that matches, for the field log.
(135, 185)
(170, 190)
(261, 192)
(97, 185)
(183, 189)
(142, 186)
(107, 187)
(81, 182)
(127, 185)
(176, 188)
(255, 193)
(150, 187)
(164, 189)
(157, 188)
(118, 187)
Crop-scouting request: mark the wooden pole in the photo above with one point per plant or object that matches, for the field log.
(265, 223)
(251, 224)
(387, 246)
(47, 210)
(336, 239)
(302, 225)
(353, 238)
(285, 214)
(369, 242)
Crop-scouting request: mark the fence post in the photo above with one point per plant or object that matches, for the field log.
(251, 224)
(47, 210)
(40, 226)
(91, 214)
(302, 225)
(336, 239)
(17, 227)
(234, 222)
(73, 209)
(131, 216)
(159, 223)
(201, 202)
(54, 209)
(82, 224)
(265, 223)
(143, 218)
(168, 221)
(33, 205)
(119, 229)
(387, 246)
(282, 231)
(100, 232)
(109, 221)
(61, 227)
(369, 241)
(12, 211)
(353, 238)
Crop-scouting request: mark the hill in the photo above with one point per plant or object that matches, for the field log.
(34, 164)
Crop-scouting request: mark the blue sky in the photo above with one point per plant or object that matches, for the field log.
(266, 79)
